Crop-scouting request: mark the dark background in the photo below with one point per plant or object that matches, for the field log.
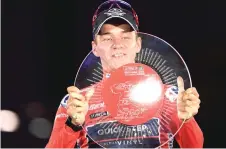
(44, 43)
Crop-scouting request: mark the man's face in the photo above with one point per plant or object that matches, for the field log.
(116, 46)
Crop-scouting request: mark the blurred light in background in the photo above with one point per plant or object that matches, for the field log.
(40, 128)
(9, 121)
(35, 109)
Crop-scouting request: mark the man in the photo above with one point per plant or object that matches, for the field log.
(116, 43)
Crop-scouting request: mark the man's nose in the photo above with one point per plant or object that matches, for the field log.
(117, 43)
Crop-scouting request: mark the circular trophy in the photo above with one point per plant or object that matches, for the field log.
(134, 106)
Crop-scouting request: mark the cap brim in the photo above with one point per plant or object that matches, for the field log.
(104, 16)
(99, 27)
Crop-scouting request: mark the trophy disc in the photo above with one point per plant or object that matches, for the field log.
(136, 104)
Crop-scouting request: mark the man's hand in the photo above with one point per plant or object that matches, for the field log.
(77, 104)
(188, 101)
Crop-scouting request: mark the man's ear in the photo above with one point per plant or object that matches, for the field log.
(139, 44)
(94, 48)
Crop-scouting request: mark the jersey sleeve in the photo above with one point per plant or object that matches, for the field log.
(62, 136)
(188, 135)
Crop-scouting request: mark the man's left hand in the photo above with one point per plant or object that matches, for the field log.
(188, 101)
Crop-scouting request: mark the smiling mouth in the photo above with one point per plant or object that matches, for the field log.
(118, 55)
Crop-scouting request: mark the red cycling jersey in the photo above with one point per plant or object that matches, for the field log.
(189, 136)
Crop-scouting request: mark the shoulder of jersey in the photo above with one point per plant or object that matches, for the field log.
(171, 92)
(63, 102)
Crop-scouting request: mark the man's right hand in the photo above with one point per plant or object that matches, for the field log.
(77, 104)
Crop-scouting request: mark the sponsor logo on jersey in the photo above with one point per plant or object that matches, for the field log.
(98, 114)
(114, 134)
(170, 137)
(96, 106)
(128, 131)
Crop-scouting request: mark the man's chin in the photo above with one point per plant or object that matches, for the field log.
(118, 66)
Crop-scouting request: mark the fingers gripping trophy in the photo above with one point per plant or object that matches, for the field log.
(133, 90)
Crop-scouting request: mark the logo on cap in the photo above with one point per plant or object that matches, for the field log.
(115, 12)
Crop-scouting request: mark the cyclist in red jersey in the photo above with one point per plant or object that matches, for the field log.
(115, 27)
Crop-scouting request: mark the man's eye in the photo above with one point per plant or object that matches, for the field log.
(125, 37)
(107, 39)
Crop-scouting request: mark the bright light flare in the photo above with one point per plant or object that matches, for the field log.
(9, 121)
(147, 91)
